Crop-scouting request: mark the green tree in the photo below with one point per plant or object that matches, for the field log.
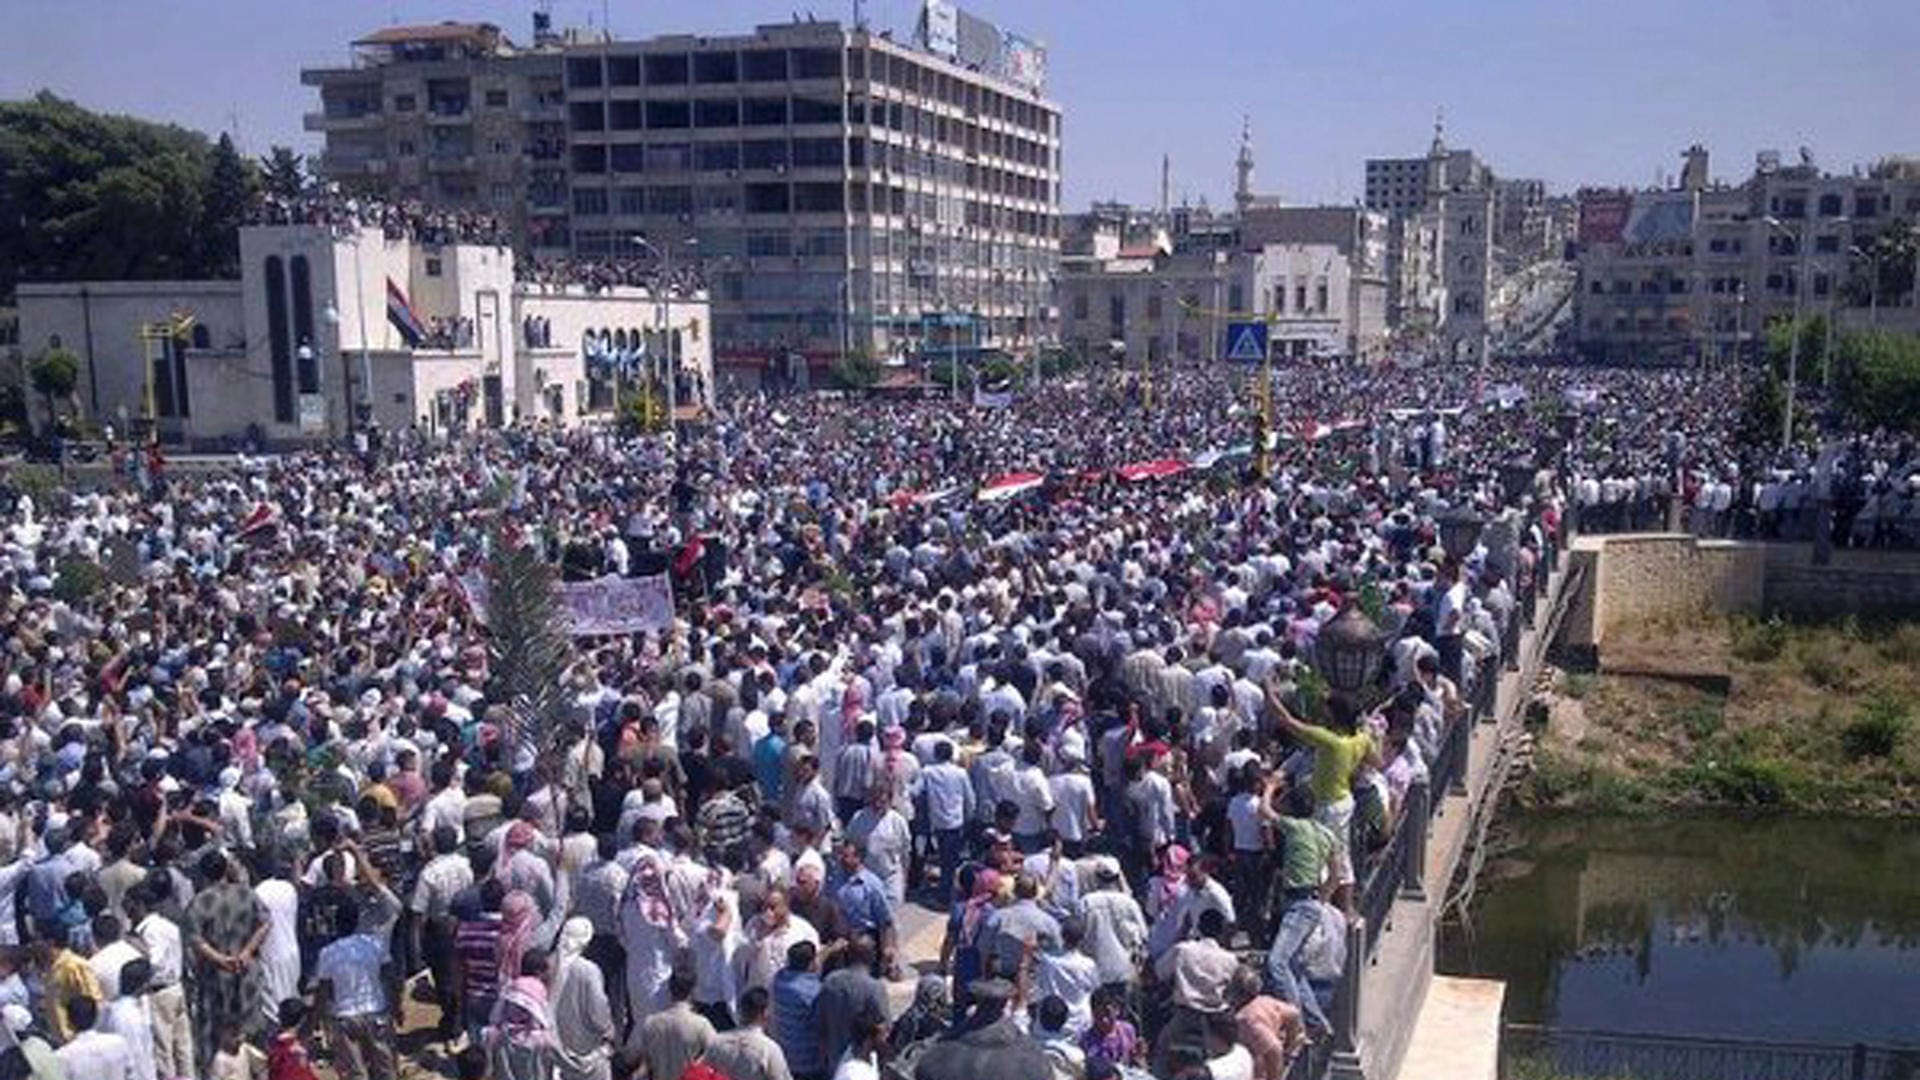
(856, 371)
(1813, 344)
(283, 173)
(1879, 379)
(231, 184)
(85, 195)
(529, 650)
(54, 375)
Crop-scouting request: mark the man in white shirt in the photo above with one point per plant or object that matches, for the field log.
(1033, 795)
(92, 1054)
(1076, 812)
(886, 841)
(1116, 928)
(172, 1028)
(349, 969)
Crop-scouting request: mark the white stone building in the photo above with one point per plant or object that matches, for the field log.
(310, 340)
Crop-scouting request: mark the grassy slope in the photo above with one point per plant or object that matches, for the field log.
(1820, 718)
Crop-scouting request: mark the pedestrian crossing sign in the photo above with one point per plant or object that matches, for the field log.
(1247, 341)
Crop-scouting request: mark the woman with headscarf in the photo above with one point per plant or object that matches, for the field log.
(928, 1017)
(520, 1040)
(582, 1015)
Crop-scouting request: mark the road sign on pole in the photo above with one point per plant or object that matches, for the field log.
(1247, 341)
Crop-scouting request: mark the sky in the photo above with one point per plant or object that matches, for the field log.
(1572, 93)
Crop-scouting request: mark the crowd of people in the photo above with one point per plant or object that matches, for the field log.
(408, 219)
(599, 275)
(1059, 767)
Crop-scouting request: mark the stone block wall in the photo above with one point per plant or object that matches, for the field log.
(1665, 576)
(1639, 577)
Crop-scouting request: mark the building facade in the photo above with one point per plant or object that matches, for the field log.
(1700, 272)
(1314, 274)
(455, 115)
(840, 188)
(841, 191)
(1440, 254)
(326, 328)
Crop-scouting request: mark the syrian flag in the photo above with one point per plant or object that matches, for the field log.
(400, 314)
(1006, 487)
(259, 523)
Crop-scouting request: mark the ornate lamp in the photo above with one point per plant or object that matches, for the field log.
(1516, 478)
(1348, 650)
(1565, 424)
(1460, 531)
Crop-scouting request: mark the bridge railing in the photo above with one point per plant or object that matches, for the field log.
(1397, 868)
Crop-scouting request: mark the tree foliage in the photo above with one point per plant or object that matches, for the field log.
(1812, 331)
(528, 644)
(283, 173)
(90, 196)
(856, 371)
(231, 185)
(54, 375)
(1879, 379)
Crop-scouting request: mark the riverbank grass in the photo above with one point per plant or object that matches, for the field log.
(1763, 714)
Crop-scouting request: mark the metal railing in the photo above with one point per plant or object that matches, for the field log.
(1626, 1056)
(1398, 868)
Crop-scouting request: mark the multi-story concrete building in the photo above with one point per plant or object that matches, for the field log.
(1314, 274)
(453, 114)
(1699, 272)
(325, 327)
(843, 191)
(1450, 194)
(841, 188)
(1411, 185)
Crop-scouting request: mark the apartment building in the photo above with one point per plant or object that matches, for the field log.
(1314, 274)
(453, 114)
(1699, 272)
(843, 191)
(1439, 261)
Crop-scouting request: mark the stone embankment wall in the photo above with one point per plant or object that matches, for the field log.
(1636, 578)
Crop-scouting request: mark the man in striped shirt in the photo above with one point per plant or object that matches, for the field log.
(476, 954)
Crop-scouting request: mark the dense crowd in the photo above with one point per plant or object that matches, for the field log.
(599, 275)
(408, 219)
(260, 800)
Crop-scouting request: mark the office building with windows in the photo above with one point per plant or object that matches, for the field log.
(841, 190)
(1700, 271)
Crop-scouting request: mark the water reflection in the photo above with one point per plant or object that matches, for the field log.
(1784, 929)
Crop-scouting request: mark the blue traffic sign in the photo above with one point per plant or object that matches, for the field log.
(1247, 341)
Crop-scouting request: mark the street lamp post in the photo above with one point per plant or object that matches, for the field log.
(1793, 346)
(662, 299)
(1873, 283)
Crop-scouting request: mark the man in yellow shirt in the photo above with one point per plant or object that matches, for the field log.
(1338, 753)
(68, 977)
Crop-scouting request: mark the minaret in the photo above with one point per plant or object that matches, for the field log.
(1166, 185)
(1437, 154)
(1243, 168)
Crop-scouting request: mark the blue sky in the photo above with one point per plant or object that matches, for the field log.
(1570, 92)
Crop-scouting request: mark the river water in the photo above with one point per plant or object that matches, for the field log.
(1785, 929)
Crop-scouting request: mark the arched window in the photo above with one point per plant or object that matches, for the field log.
(620, 340)
(308, 368)
(280, 346)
